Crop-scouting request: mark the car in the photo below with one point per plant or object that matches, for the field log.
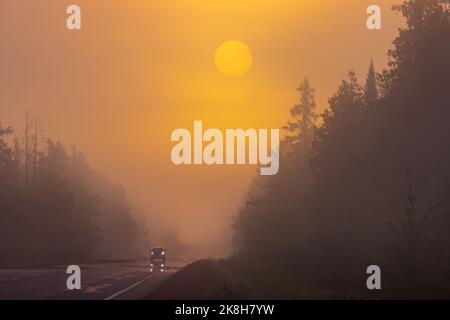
(158, 258)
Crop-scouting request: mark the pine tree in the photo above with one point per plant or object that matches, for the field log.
(6, 159)
(371, 90)
(304, 116)
(340, 122)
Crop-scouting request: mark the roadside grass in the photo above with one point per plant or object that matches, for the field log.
(232, 279)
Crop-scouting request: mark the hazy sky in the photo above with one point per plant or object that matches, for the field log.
(139, 69)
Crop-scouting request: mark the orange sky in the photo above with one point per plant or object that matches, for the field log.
(139, 69)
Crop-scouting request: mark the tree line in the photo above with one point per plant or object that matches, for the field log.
(370, 185)
(54, 206)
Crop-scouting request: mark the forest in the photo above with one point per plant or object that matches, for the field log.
(54, 207)
(368, 186)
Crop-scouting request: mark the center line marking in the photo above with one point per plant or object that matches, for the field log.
(130, 287)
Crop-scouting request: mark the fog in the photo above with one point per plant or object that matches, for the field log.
(137, 70)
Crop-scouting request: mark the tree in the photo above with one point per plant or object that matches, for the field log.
(302, 125)
(7, 165)
(371, 90)
(340, 122)
(9, 203)
(420, 51)
(280, 203)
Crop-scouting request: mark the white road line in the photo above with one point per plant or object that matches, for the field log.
(130, 287)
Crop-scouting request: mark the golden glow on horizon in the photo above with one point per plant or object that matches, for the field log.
(146, 67)
(233, 58)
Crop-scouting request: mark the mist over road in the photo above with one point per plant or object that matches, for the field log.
(99, 281)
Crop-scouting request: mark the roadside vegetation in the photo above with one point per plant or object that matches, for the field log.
(54, 207)
(370, 185)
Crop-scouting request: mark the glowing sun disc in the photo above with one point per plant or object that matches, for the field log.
(233, 58)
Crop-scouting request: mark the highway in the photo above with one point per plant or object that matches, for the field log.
(99, 281)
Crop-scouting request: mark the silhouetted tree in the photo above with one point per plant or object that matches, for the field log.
(371, 90)
(271, 223)
(7, 163)
(301, 128)
(340, 123)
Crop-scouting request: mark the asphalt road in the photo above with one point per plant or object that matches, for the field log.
(100, 281)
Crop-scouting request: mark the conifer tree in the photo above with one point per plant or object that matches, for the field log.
(371, 90)
(303, 114)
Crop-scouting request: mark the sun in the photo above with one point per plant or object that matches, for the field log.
(233, 58)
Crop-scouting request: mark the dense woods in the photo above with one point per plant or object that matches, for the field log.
(370, 185)
(54, 207)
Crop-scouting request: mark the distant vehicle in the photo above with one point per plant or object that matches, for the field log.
(158, 257)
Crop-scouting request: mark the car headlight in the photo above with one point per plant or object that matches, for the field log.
(163, 253)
